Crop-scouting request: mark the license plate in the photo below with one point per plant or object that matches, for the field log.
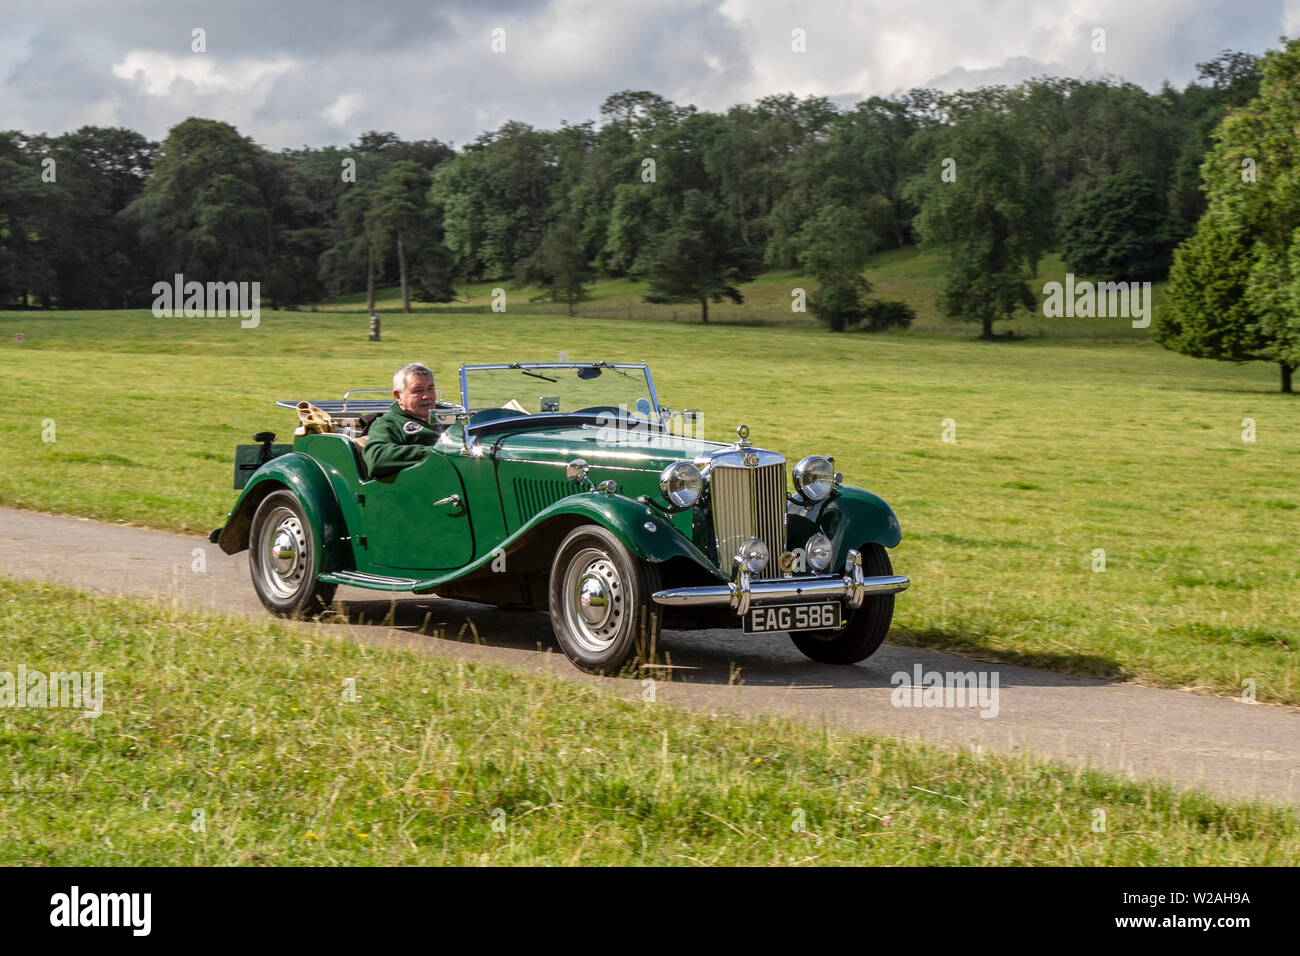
(792, 617)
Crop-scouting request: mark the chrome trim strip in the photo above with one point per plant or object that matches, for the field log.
(770, 590)
(744, 592)
(371, 582)
(565, 464)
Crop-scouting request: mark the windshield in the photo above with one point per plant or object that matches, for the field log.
(560, 388)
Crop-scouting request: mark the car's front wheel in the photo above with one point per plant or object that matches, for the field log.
(282, 558)
(865, 631)
(601, 601)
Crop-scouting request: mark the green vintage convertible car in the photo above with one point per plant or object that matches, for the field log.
(567, 487)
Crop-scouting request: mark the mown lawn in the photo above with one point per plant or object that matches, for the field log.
(229, 742)
(1062, 449)
(909, 275)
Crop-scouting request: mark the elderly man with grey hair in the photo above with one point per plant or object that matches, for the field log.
(405, 433)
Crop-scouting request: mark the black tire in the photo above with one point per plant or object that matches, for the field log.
(286, 582)
(865, 631)
(592, 561)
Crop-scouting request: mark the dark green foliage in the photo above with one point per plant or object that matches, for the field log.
(836, 243)
(884, 314)
(1234, 291)
(700, 258)
(202, 213)
(1120, 231)
(496, 198)
(1206, 315)
(559, 266)
(125, 213)
(985, 205)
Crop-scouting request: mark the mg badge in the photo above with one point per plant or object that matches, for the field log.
(751, 460)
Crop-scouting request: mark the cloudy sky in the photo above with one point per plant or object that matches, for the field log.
(319, 72)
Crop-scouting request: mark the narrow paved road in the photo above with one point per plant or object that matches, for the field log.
(1224, 746)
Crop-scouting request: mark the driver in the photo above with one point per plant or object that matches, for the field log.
(405, 433)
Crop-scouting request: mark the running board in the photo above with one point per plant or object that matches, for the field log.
(371, 582)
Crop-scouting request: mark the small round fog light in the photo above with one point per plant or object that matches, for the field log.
(754, 554)
(818, 549)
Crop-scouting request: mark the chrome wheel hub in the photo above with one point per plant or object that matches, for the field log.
(282, 554)
(593, 599)
(284, 551)
(593, 606)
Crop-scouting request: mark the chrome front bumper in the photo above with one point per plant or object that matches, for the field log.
(744, 590)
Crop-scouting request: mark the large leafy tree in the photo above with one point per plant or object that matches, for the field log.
(202, 211)
(991, 219)
(97, 261)
(399, 215)
(1234, 290)
(496, 198)
(1120, 231)
(24, 205)
(1232, 81)
(380, 217)
(836, 244)
(558, 267)
(700, 258)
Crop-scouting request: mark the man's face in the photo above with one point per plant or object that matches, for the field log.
(418, 397)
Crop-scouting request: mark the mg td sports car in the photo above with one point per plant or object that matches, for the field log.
(568, 488)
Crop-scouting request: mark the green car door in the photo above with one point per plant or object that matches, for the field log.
(419, 519)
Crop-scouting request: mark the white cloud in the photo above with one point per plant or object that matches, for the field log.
(156, 72)
(343, 108)
(1292, 18)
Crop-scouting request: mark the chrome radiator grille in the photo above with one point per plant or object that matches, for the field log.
(748, 503)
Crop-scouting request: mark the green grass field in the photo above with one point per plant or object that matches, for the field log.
(908, 275)
(226, 742)
(1062, 448)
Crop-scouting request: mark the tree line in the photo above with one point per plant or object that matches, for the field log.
(693, 202)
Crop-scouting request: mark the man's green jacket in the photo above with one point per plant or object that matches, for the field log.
(396, 441)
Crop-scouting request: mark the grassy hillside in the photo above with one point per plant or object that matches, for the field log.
(906, 274)
(225, 742)
(1061, 449)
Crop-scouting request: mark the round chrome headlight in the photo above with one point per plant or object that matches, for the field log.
(814, 477)
(681, 484)
(818, 550)
(754, 555)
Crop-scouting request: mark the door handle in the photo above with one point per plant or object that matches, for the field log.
(453, 500)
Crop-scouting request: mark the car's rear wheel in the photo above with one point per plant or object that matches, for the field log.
(282, 558)
(601, 601)
(865, 630)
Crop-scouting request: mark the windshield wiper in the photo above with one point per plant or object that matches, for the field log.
(615, 368)
(534, 374)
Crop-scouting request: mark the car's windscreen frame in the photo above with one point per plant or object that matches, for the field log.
(543, 371)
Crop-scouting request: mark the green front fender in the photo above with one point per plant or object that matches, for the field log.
(850, 518)
(645, 532)
(302, 476)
